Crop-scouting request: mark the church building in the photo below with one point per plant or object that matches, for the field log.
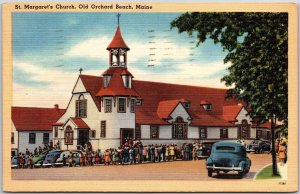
(105, 110)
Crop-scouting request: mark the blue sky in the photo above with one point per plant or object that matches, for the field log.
(49, 48)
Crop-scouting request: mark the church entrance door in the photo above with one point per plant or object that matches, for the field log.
(83, 137)
(126, 134)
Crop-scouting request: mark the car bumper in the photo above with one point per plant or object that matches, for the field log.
(229, 168)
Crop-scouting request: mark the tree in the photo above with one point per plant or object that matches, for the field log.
(257, 48)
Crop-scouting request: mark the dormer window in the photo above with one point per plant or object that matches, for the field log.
(187, 104)
(106, 80)
(206, 105)
(127, 81)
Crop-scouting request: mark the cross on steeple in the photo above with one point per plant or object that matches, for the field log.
(118, 15)
(80, 70)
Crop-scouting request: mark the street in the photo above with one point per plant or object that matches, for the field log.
(177, 170)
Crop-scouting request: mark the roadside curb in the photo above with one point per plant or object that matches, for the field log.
(281, 169)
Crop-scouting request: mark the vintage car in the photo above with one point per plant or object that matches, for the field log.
(205, 151)
(226, 157)
(51, 158)
(14, 162)
(66, 154)
(38, 159)
(259, 146)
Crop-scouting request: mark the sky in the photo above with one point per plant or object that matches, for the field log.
(50, 48)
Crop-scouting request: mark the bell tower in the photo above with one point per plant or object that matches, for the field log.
(118, 49)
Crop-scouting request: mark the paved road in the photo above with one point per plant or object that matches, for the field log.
(178, 170)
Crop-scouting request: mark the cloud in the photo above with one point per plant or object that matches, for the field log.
(160, 49)
(57, 87)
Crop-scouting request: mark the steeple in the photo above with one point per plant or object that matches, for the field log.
(118, 50)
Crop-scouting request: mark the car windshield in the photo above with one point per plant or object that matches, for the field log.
(225, 148)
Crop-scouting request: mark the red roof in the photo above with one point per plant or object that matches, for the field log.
(37, 119)
(154, 93)
(117, 41)
(80, 123)
(92, 85)
(116, 85)
(165, 108)
(231, 112)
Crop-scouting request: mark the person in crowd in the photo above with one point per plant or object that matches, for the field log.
(141, 149)
(152, 153)
(90, 147)
(107, 157)
(64, 159)
(136, 153)
(119, 150)
(100, 154)
(115, 157)
(131, 154)
(35, 151)
(70, 160)
(163, 151)
(194, 153)
(30, 161)
(130, 141)
(159, 152)
(22, 160)
(149, 152)
(51, 145)
(167, 153)
(145, 153)
(85, 147)
(281, 153)
(92, 158)
(155, 152)
(40, 150)
(27, 151)
(172, 152)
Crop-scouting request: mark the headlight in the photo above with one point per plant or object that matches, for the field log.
(209, 162)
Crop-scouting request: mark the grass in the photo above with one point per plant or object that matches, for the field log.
(266, 173)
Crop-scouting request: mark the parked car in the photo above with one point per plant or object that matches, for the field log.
(259, 146)
(205, 151)
(226, 157)
(14, 162)
(66, 154)
(51, 158)
(37, 159)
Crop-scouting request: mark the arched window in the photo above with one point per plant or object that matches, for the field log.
(69, 135)
(179, 129)
(81, 107)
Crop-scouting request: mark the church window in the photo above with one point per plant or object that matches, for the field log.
(121, 105)
(93, 133)
(132, 105)
(56, 131)
(154, 132)
(107, 105)
(103, 129)
(224, 133)
(244, 130)
(45, 138)
(32, 138)
(12, 138)
(179, 129)
(258, 134)
(69, 135)
(138, 132)
(127, 81)
(81, 107)
(203, 133)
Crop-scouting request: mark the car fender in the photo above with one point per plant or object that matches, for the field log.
(242, 164)
(209, 162)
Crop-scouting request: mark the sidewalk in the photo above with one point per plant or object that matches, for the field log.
(282, 171)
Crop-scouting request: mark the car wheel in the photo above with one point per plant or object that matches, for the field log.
(209, 172)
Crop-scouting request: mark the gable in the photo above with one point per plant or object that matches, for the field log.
(243, 116)
(180, 111)
(79, 87)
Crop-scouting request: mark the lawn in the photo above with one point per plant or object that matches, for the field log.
(266, 173)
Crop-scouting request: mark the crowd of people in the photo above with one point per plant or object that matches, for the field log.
(133, 152)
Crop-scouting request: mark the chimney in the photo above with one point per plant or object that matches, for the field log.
(56, 106)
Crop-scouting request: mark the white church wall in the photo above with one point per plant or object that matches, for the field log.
(213, 132)
(24, 140)
(232, 132)
(165, 132)
(145, 131)
(14, 145)
(193, 132)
